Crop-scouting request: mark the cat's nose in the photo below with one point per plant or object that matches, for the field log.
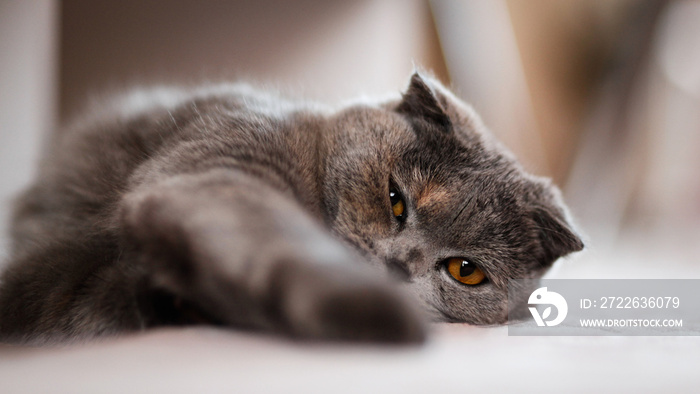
(398, 269)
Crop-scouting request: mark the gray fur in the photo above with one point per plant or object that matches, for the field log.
(230, 206)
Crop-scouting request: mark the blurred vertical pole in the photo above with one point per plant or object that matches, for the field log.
(669, 194)
(28, 31)
(485, 67)
(611, 160)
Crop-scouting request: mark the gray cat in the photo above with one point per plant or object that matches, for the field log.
(229, 206)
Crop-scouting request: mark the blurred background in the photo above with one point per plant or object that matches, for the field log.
(601, 95)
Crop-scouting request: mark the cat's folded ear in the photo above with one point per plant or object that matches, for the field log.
(556, 235)
(423, 101)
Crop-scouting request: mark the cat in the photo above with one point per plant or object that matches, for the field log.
(230, 206)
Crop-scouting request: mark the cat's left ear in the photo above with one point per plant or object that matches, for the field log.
(423, 101)
(556, 235)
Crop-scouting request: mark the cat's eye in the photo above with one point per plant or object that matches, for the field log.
(465, 271)
(398, 206)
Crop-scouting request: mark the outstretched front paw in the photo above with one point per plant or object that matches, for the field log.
(335, 302)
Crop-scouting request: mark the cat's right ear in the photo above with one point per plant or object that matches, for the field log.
(557, 237)
(422, 101)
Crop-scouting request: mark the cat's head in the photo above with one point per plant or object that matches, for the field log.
(420, 188)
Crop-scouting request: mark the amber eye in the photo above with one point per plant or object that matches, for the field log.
(397, 204)
(465, 271)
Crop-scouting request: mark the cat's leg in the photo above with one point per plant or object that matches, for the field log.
(70, 288)
(243, 254)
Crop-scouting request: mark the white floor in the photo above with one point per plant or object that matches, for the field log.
(458, 359)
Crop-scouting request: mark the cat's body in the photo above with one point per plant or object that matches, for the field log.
(232, 207)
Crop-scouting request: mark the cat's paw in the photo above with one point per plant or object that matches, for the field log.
(334, 303)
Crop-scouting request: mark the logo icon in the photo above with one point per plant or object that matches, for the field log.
(543, 297)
